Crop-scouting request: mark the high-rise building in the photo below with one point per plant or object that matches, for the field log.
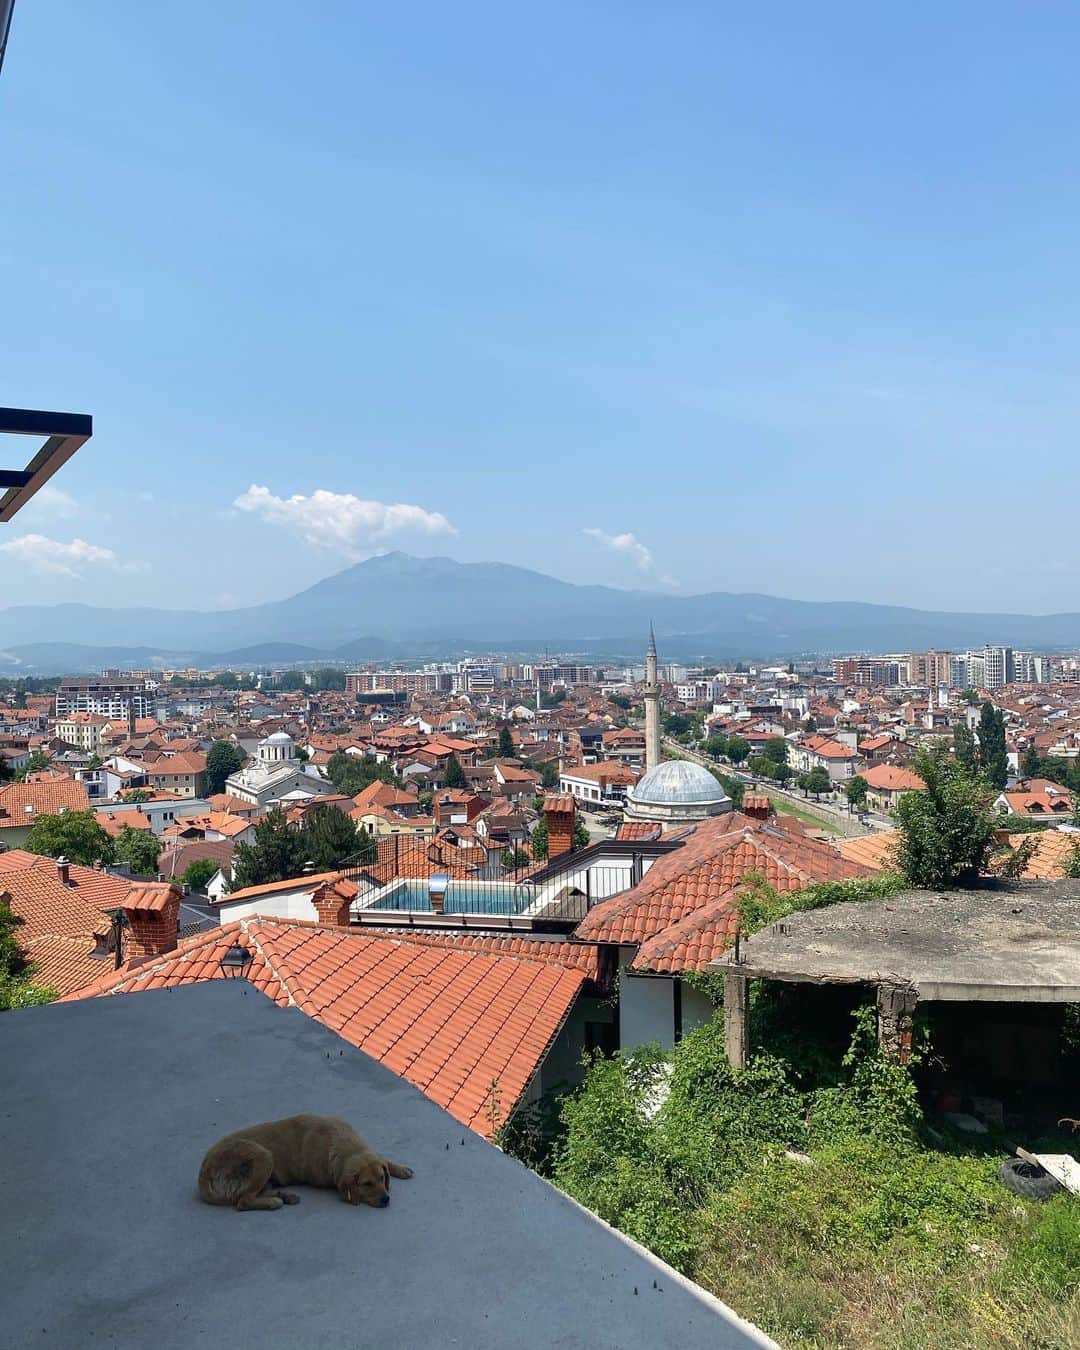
(113, 697)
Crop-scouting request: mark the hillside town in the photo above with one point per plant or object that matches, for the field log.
(525, 822)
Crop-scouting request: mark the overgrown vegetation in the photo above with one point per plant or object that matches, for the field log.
(811, 1202)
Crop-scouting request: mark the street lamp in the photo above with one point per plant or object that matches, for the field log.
(234, 963)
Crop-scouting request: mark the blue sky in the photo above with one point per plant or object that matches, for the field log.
(701, 296)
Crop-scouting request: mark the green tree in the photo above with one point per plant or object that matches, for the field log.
(291, 680)
(738, 749)
(137, 795)
(1031, 764)
(993, 758)
(506, 743)
(198, 875)
(350, 774)
(715, 746)
(328, 837)
(6, 771)
(75, 835)
(816, 781)
(549, 775)
(734, 787)
(855, 790)
(513, 858)
(17, 988)
(275, 854)
(454, 776)
(775, 748)
(34, 764)
(945, 829)
(222, 761)
(969, 696)
(964, 747)
(138, 849)
(581, 834)
(330, 678)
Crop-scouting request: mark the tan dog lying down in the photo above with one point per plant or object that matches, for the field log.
(248, 1167)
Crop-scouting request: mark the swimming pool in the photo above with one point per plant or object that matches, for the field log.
(462, 897)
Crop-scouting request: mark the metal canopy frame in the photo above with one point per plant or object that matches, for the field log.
(63, 433)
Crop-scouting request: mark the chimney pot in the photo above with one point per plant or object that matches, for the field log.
(63, 871)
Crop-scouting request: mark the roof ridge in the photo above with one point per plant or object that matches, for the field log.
(248, 927)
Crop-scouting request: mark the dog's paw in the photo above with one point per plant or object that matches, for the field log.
(289, 1198)
(404, 1173)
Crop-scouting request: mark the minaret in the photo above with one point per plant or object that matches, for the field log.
(652, 706)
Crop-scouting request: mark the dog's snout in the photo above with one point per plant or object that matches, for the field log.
(384, 1202)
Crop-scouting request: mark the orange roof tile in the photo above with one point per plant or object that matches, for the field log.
(876, 851)
(708, 866)
(453, 1022)
(891, 778)
(43, 797)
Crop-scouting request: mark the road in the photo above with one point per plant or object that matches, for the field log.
(836, 816)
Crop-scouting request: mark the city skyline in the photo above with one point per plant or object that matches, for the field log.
(717, 302)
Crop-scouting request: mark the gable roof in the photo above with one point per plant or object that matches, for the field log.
(44, 797)
(701, 878)
(891, 778)
(451, 1021)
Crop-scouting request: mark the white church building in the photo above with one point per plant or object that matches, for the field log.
(276, 776)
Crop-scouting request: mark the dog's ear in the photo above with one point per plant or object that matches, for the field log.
(385, 1174)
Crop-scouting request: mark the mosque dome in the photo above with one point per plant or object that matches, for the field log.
(676, 790)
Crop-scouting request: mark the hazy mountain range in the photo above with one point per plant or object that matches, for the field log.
(397, 606)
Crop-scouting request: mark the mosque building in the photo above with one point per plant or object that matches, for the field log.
(673, 791)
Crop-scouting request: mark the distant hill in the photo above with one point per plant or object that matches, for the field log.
(434, 606)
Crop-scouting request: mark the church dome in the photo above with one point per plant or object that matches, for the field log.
(676, 790)
(278, 738)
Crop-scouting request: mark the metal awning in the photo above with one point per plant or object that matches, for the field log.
(63, 434)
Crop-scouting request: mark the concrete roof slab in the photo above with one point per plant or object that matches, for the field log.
(109, 1105)
(1013, 942)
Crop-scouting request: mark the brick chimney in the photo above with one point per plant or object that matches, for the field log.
(63, 871)
(559, 811)
(152, 911)
(331, 906)
(757, 806)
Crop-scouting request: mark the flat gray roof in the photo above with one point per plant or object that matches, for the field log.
(108, 1106)
(1013, 942)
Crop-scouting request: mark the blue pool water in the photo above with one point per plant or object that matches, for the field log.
(469, 897)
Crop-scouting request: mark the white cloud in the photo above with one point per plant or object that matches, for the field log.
(626, 543)
(52, 557)
(48, 504)
(630, 546)
(340, 521)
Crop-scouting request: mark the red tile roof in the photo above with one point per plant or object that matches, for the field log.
(891, 778)
(702, 876)
(584, 956)
(639, 830)
(101, 889)
(44, 797)
(151, 896)
(451, 1021)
